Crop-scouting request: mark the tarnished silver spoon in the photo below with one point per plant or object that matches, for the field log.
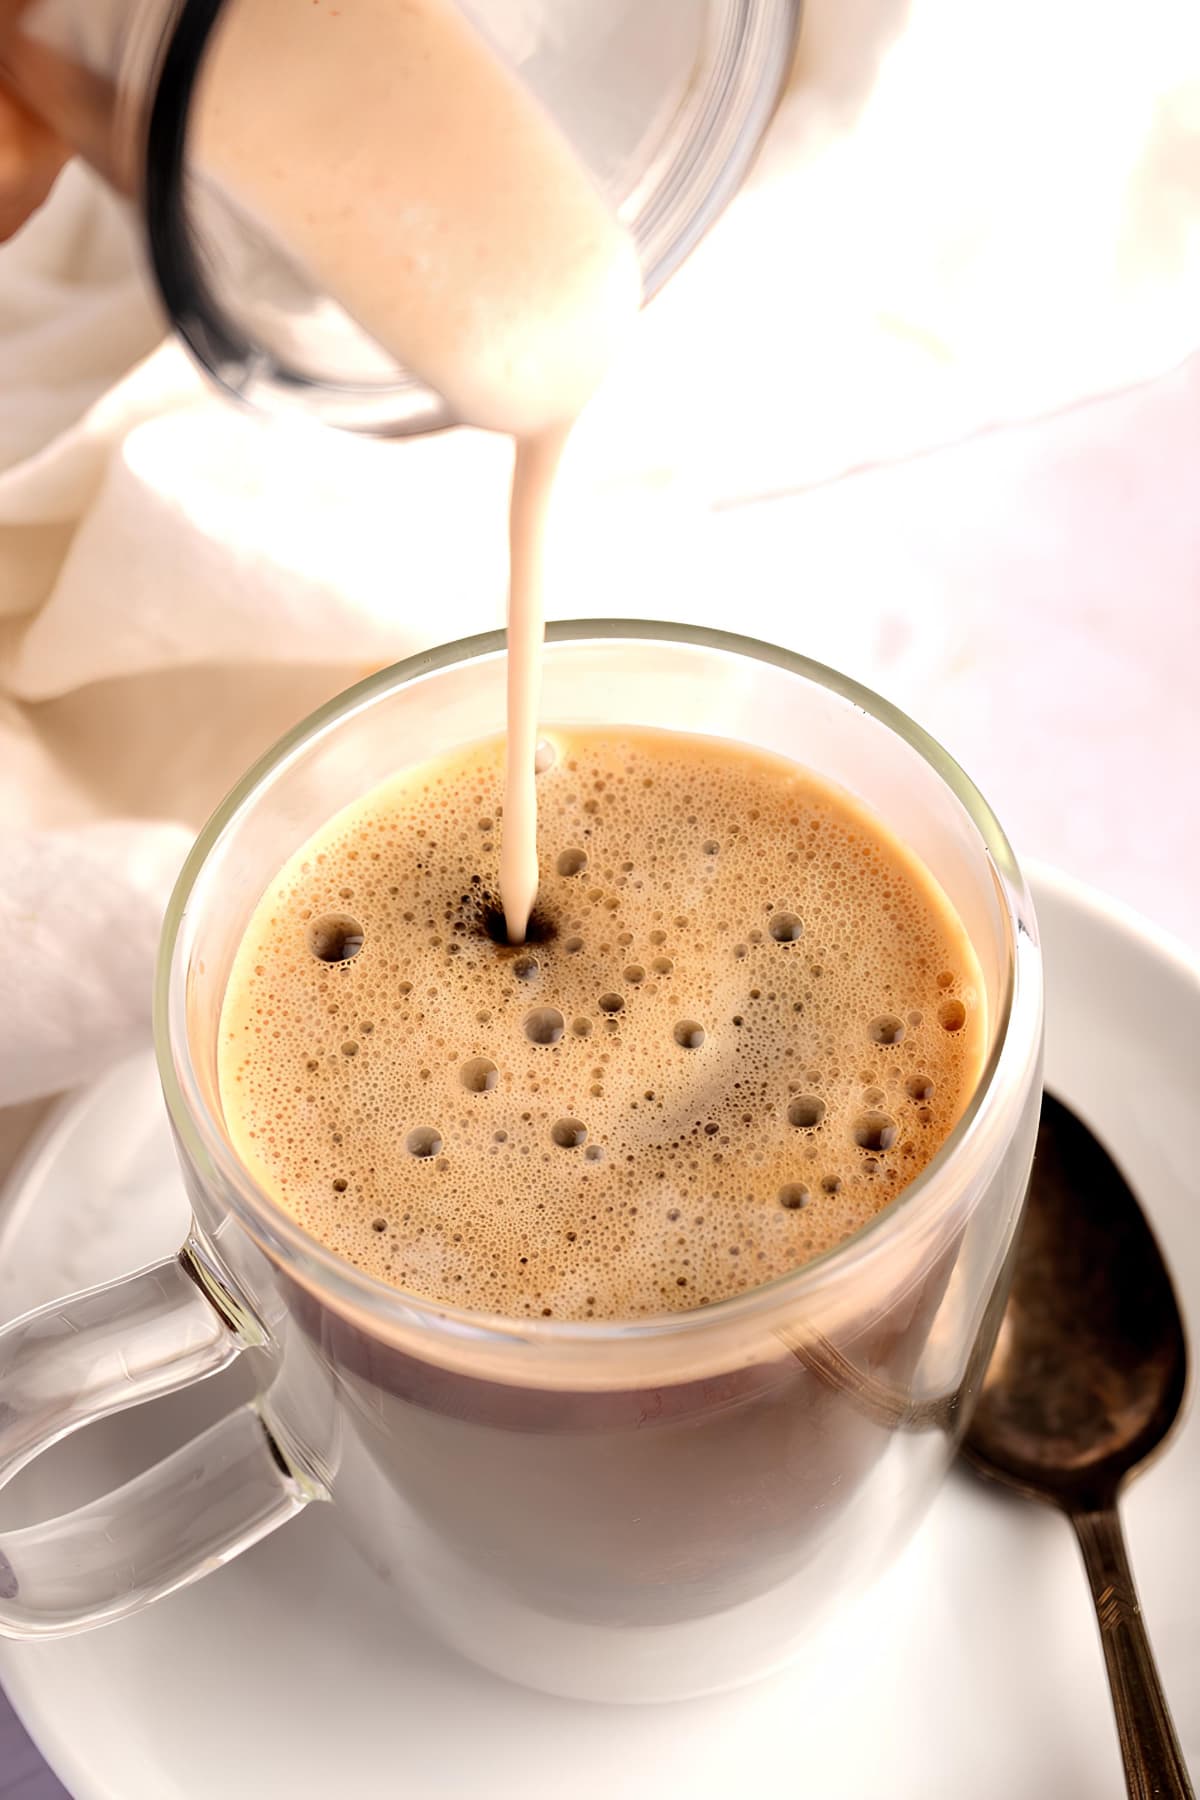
(1086, 1381)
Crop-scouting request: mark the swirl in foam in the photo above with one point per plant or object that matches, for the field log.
(752, 1019)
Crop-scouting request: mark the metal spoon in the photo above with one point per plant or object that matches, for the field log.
(1086, 1380)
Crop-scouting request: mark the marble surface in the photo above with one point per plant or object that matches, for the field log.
(1032, 595)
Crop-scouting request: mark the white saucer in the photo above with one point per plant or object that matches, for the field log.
(973, 1669)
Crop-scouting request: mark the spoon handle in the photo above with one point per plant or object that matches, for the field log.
(1154, 1765)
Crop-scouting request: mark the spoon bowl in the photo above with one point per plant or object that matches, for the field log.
(1088, 1374)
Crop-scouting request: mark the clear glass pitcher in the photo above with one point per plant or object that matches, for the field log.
(664, 101)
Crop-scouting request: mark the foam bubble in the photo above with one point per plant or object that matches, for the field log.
(805, 1111)
(544, 1025)
(568, 1134)
(886, 1030)
(335, 938)
(874, 1131)
(423, 1140)
(479, 1075)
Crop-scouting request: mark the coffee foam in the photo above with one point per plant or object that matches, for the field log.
(745, 1018)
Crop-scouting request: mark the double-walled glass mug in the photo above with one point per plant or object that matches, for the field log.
(613, 1510)
(664, 102)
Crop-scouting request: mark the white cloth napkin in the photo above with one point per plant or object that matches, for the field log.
(966, 214)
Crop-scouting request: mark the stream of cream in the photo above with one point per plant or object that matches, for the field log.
(407, 168)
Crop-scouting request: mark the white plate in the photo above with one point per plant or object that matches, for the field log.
(973, 1668)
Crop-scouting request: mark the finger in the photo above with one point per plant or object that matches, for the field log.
(31, 156)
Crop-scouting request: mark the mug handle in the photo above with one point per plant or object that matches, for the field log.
(80, 1359)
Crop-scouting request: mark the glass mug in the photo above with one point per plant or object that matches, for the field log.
(664, 101)
(610, 1510)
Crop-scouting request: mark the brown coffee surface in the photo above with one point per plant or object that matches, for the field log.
(745, 1019)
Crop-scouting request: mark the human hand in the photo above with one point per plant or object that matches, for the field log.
(30, 158)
